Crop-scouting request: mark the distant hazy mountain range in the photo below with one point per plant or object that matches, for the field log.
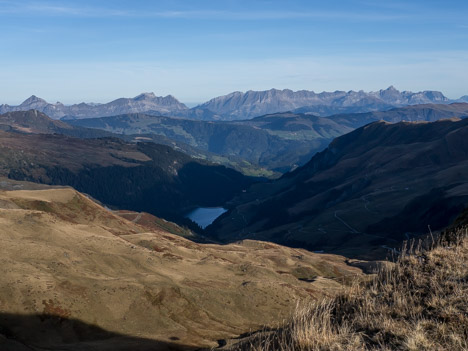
(143, 102)
(239, 105)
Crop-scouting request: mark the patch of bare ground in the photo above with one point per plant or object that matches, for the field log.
(420, 303)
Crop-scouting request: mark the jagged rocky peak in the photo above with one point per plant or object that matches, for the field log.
(145, 96)
(390, 92)
(242, 105)
(33, 99)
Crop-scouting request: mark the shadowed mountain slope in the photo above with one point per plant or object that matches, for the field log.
(368, 191)
(141, 177)
(84, 278)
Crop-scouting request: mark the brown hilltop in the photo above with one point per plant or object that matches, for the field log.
(31, 121)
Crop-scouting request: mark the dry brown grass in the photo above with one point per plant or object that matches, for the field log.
(421, 303)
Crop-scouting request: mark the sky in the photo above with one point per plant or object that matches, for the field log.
(97, 51)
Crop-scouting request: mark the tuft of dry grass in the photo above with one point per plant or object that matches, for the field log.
(420, 303)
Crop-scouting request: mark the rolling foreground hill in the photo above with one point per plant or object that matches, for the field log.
(368, 191)
(419, 304)
(76, 276)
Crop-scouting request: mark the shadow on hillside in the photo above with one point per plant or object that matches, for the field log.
(45, 332)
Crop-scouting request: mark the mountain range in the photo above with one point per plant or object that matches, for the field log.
(239, 105)
(279, 142)
(143, 102)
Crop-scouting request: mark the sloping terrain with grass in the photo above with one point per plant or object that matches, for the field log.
(140, 177)
(76, 276)
(367, 192)
(420, 303)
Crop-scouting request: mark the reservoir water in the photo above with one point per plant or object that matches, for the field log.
(204, 216)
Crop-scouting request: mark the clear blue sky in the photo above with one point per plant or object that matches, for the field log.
(75, 51)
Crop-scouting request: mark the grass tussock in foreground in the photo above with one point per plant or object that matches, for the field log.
(421, 303)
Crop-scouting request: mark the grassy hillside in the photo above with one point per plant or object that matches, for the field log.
(367, 192)
(421, 303)
(76, 276)
(139, 177)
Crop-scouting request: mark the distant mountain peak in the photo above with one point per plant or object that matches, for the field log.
(145, 96)
(32, 100)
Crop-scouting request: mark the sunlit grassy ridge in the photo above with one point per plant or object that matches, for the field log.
(420, 303)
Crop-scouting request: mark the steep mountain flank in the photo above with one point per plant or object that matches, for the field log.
(368, 191)
(141, 177)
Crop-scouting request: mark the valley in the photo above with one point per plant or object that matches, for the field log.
(362, 196)
(141, 177)
(233, 175)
